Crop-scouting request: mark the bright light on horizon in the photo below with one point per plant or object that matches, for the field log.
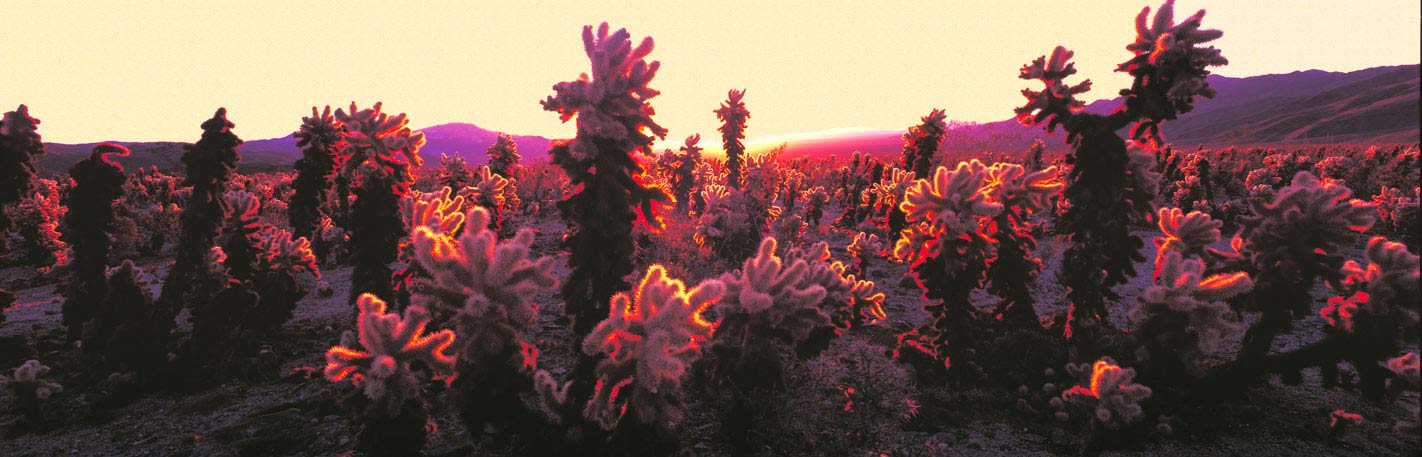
(149, 71)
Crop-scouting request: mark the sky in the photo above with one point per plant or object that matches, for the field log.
(154, 70)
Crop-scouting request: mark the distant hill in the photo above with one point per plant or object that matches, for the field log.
(468, 140)
(1376, 105)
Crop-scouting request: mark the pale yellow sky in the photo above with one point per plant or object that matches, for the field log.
(97, 70)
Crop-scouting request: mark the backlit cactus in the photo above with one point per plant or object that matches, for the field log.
(1110, 393)
(1182, 317)
(1110, 184)
(503, 155)
(1372, 319)
(733, 115)
(388, 360)
(768, 307)
(488, 286)
(648, 343)
(381, 152)
(1288, 244)
(321, 142)
(921, 143)
(1022, 193)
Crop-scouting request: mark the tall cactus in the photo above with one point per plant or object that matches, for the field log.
(19, 145)
(209, 164)
(615, 124)
(1110, 184)
(381, 151)
(733, 115)
(321, 142)
(98, 182)
(503, 155)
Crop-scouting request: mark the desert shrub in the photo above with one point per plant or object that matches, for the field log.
(850, 400)
(381, 151)
(98, 182)
(1110, 184)
(389, 360)
(733, 115)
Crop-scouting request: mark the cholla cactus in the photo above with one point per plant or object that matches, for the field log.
(503, 155)
(29, 387)
(683, 172)
(1289, 243)
(1185, 234)
(240, 233)
(1021, 193)
(382, 150)
(615, 123)
(890, 192)
(1182, 317)
(209, 165)
(733, 115)
(321, 141)
(88, 225)
(767, 302)
(489, 285)
(453, 171)
(1371, 319)
(649, 340)
(1110, 393)
(1398, 213)
(125, 334)
(864, 247)
(20, 145)
(1109, 184)
(921, 143)
(1169, 68)
(39, 218)
(850, 302)
(487, 190)
(815, 200)
(724, 226)
(1408, 369)
(380, 360)
(949, 256)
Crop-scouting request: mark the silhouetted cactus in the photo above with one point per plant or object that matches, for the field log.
(98, 182)
(321, 141)
(503, 155)
(487, 190)
(921, 143)
(1109, 184)
(488, 286)
(127, 333)
(29, 388)
(389, 359)
(453, 172)
(20, 145)
(209, 164)
(683, 173)
(733, 115)
(381, 151)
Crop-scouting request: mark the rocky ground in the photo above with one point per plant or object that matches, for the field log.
(292, 414)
